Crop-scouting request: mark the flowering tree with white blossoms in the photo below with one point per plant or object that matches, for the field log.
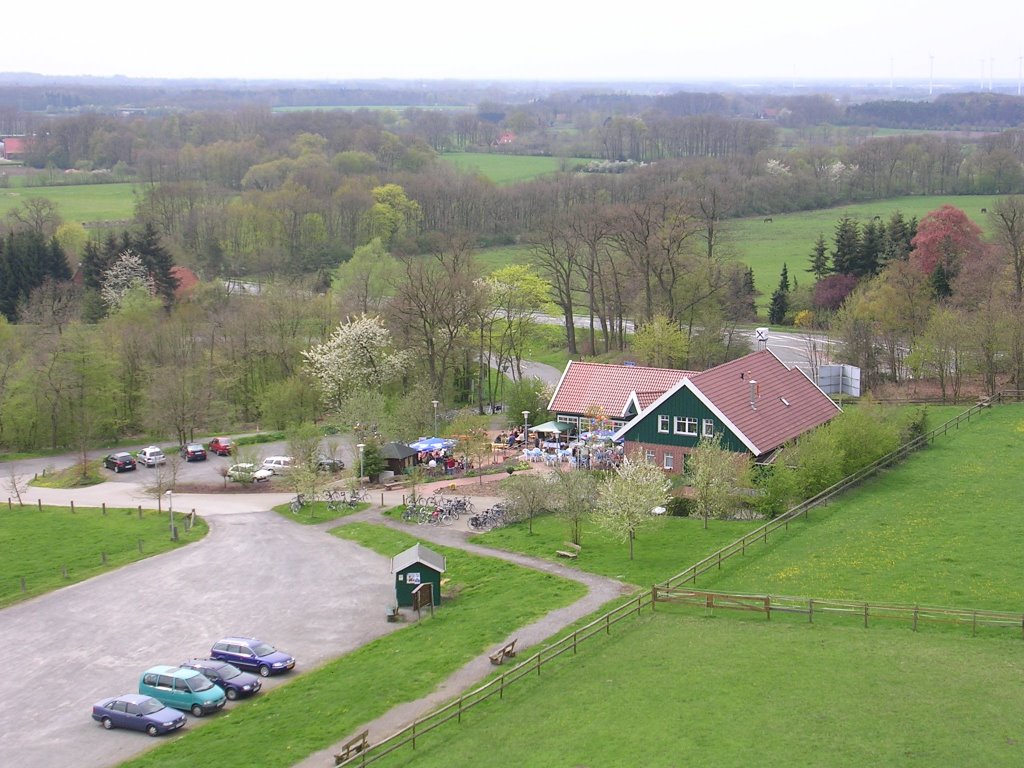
(628, 497)
(127, 273)
(358, 355)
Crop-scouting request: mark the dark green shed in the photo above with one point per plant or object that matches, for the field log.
(417, 565)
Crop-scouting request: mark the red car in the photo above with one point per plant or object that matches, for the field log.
(222, 446)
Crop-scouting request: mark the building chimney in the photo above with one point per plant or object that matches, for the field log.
(753, 395)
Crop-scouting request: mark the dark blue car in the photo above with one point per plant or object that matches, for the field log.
(235, 682)
(250, 653)
(138, 712)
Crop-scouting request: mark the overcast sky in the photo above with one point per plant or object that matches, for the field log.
(664, 40)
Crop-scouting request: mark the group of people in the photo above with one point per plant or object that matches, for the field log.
(514, 438)
(444, 461)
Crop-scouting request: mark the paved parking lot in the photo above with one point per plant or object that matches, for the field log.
(256, 573)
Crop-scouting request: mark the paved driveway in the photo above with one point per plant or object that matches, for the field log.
(309, 593)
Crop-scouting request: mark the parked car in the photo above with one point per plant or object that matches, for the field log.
(222, 446)
(119, 462)
(150, 457)
(183, 689)
(250, 653)
(138, 712)
(249, 473)
(234, 681)
(193, 452)
(329, 464)
(278, 464)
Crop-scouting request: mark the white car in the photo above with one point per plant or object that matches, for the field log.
(249, 473)
(151, 457)
(278, 464)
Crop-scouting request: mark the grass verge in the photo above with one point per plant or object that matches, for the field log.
(317, 512)
(71, 477)
(39, 544)
(676, 690)
(487, 599)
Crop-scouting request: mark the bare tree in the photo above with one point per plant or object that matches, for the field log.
(14, 484)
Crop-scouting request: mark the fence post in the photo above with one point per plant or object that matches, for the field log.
(538, 663)
(974, 624)
(140, 511)
(22, 583)
(39, 503)
(915, 618)
(460, 709)
(501, 687)
(103, 557)
(720, 559)
(103, 504)
(72, 506)
(810, 611)
(865, 615)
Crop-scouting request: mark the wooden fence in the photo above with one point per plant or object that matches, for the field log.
(862, 611)
(496, 686)
(739, 547)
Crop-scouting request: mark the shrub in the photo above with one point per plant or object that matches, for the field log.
(679, 506)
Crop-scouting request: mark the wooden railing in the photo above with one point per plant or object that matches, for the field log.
(496, 686)
(861, 610)
(739, 547)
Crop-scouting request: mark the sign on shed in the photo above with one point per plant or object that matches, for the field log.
(413, 567)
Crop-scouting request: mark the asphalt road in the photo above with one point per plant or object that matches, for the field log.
(313, 595)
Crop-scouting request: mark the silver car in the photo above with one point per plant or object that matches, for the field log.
(151, 457)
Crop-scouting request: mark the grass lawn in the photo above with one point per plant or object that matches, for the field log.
(678, 690)
(659, 552)
(317, 512)
(72, 477)
(789, 238)
(81, 202)
(944, 528)
(490, 599)
(508, 169)
(36, 545)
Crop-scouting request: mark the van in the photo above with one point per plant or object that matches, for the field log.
(183, 689)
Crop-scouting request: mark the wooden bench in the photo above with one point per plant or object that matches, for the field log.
(506, 651)
(571, 550)
(352, 747)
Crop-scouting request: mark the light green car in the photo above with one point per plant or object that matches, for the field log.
(183, 689)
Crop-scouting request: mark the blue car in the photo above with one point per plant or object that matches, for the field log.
(137, 712)
(234, 681)
(250, 653)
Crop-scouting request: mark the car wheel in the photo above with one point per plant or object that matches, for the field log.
(117, 468)
(264, 670)
(152, 730)
(107, 723)
(231, 693)
(197, 711)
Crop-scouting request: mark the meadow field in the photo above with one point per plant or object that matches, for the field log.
(675, 687)
(81, 202)
(508, 169)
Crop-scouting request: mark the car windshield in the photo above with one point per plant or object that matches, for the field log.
(229, 671)
(149, 706)
(195, 447)
(263, 649)
(199, 683)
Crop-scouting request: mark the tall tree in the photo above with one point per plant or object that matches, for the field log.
(820, 266)
(846, 246)
(715, 473)
(780, 299)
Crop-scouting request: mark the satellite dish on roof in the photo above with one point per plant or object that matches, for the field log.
(761, 337)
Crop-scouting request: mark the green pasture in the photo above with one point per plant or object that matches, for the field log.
(490, 259)
(943, 528)
(486, 600)
(508, 169)
(659, 551)
(38, 544)
(82, 202)
(789, 237)
(668, 690)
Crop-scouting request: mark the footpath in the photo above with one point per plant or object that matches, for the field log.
(600, 590)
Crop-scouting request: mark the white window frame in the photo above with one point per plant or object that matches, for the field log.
(649, 456)
(662, 424)
(690, 426)
(677, 425)
(708, 428)
(668, 460)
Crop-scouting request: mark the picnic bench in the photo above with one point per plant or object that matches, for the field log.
(571, 550)
(507, 651)
(352, 747)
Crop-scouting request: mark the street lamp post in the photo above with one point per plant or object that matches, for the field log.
(526, 429)
(435, 404)
(170, 512)
(362, 449)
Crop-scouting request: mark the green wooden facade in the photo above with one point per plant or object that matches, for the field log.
(677, 408)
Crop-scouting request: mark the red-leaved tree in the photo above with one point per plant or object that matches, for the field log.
(946, 238)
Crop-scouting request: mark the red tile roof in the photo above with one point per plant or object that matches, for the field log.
(187, 280)
(787, 403)
(608, 387)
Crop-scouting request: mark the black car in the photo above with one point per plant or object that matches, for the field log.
(234, 681)
(193, 452)
(329, 464)
(119, 462)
